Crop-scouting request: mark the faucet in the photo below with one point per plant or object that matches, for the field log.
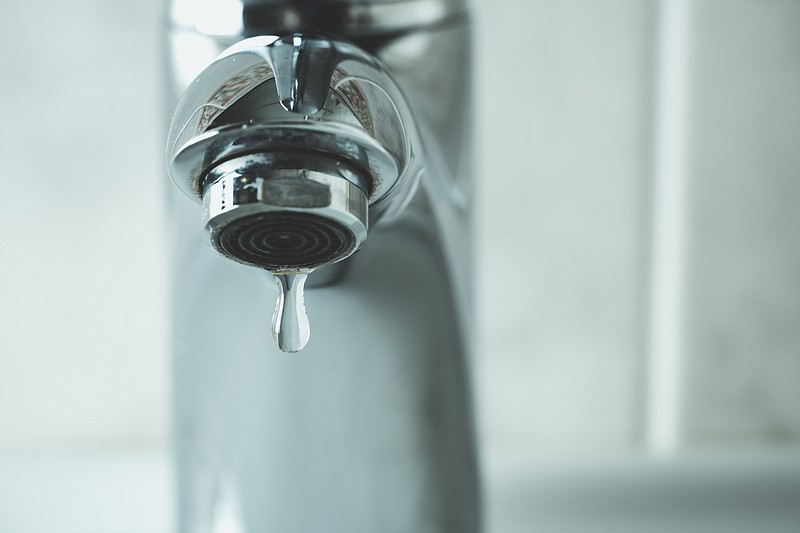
(325, 145)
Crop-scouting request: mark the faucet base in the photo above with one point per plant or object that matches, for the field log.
(370, 430)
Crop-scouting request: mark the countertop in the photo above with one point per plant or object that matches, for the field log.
(120, 491)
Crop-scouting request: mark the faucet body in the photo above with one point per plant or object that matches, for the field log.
(370, 428)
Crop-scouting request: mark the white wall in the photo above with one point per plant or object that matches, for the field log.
(82, 285)
(742, 376)
(562, 95)
(602, 99)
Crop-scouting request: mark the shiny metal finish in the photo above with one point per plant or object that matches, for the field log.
(261, 96)
(284, 220)
(369, 428)
(291, 125)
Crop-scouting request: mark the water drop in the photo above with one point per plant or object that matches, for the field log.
(290, 327)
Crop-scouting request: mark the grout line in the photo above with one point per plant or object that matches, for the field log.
(667, 285)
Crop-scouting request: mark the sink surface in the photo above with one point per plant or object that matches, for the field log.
(121, 491)
(733, 492)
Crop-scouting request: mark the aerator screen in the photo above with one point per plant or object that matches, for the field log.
(286, 240)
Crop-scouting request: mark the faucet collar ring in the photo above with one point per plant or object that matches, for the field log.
(341, 142)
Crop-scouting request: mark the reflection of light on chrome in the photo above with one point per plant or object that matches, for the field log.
(666, 335)
(192, 53)
(226, 513)
(224, 19)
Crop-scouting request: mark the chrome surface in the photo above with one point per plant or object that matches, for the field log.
(240, 195)
(370, 427)
(262, 95)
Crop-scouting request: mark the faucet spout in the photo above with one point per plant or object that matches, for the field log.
(288, 143)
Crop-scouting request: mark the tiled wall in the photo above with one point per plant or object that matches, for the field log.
(563, 142)
(82, 284)
(566, 99)
(742, 378)
(567, 192)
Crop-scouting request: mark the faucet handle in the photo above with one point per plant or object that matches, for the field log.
(303, 67)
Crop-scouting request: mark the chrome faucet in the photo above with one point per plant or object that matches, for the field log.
(303, 128)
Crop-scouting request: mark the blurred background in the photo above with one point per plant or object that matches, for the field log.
(638, 266)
